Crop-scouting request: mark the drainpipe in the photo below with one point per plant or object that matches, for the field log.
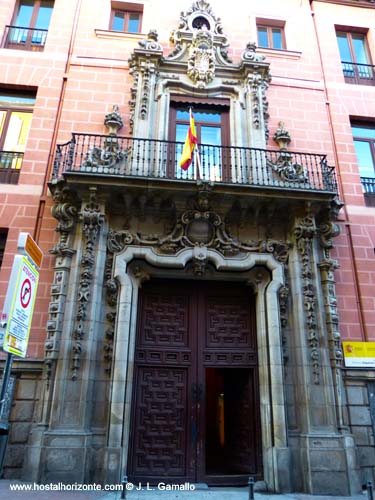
(47, 175)
(346, 221)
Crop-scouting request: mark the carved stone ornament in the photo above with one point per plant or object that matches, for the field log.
(200, 18)
(92, 219)
(283, 302)
(65, 211)
(304, 232)
(284, 166)
(111, 293)
(258, 85)
(151, 42)
(328, 229)
(250, 53)
(201, 63)
(288, 170)
(113, 121)
(198, 227)
(108, 155)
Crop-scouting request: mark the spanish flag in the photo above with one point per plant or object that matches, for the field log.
(190, 142)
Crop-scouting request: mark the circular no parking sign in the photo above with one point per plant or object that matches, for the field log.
(25, 293)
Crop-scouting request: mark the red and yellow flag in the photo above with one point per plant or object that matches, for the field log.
(190, 142)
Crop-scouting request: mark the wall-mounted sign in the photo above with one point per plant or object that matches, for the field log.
(26, 245)
(19, 306)
(359, 354)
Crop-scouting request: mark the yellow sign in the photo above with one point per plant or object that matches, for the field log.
(27, 245)
(359, 354)
(33, 251)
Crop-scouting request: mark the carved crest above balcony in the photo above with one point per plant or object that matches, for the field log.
(200, 35)
(199, 65)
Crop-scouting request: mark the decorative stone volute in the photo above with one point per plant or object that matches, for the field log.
(113, 121)
(151, 42)
(250, 53)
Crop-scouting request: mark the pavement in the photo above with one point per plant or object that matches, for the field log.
(14, 489)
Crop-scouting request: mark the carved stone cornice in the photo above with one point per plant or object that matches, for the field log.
(304, 232)
(92, 220)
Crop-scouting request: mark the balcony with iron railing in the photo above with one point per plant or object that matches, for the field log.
(10, 167)
(21, 38)
(134, 158)
(368, 184)
(359, 74)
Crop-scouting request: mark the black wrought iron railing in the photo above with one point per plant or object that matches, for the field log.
(368, 184)
(131, 157)
(18, 37)
(10, 167)
(360, 74)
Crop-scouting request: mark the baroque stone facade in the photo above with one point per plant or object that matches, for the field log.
(263, 228)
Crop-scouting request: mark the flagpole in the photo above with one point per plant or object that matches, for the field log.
(198, 158)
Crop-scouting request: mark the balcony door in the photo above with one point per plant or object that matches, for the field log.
(30, 25)
(355, 59)
(212, 155)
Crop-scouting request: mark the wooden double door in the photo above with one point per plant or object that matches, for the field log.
(195, 402)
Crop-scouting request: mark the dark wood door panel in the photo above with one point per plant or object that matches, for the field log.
(161, 424)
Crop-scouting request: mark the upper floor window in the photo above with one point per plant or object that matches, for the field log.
(364, 144)
(271, 35)
(30, 25)
(355, 58)
(16, 112)
(128, 20)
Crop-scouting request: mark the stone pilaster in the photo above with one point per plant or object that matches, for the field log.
(67, 443)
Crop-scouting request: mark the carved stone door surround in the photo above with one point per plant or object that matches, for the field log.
(266, 275)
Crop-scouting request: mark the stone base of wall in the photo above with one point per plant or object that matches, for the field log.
(360, 391)
(24, 414)
(326, 464)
